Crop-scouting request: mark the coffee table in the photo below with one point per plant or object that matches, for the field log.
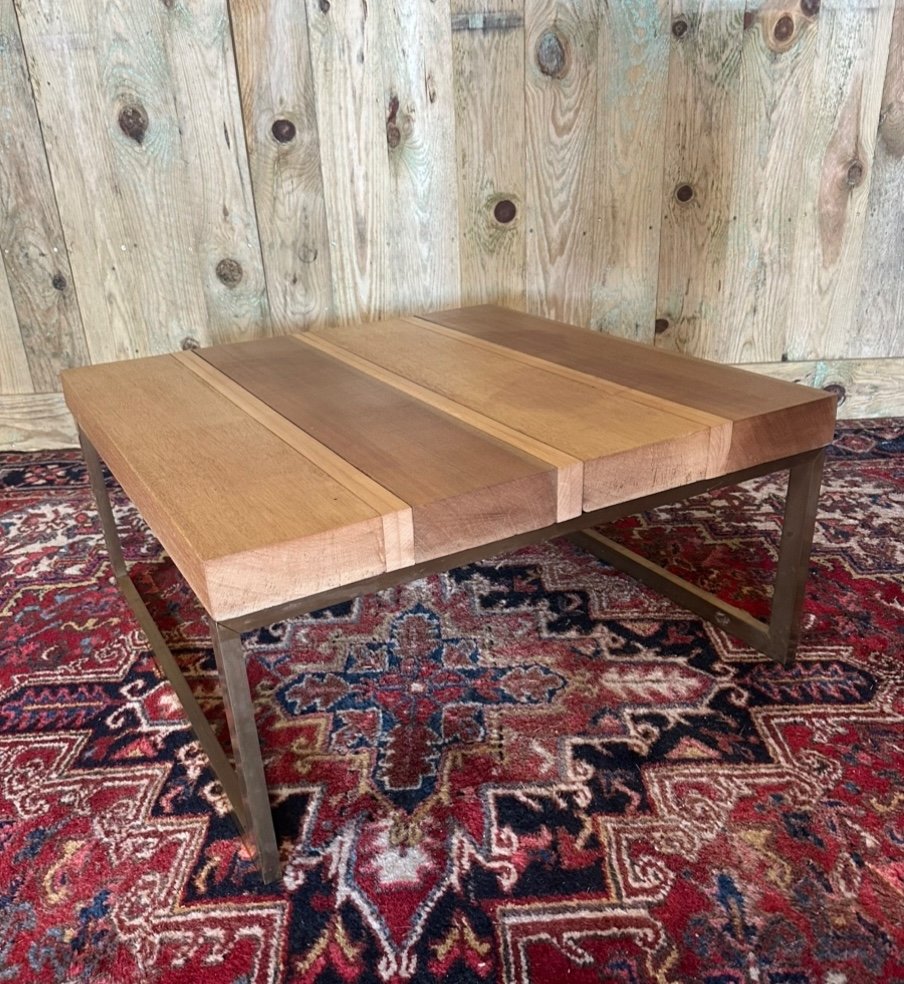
(291, 473)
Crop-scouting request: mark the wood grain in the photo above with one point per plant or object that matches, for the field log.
(31, 240)
(158, 197)
(778, 54)
(246, 518)
(277, 86)
(34, 421)
(768, 417)
(880, 313)
(560, 145)
(845, 102)
(14, 373)
(864, 387)
(488, 65)
(628, 447)
(700, 123)
(395, 514)
(436, 464)
(632, 92)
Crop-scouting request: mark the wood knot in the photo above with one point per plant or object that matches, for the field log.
(58, 281)
(854, 174)
(749, 19)
(169, 4)
(552, 56)
(307, 253)
(283, 130)
(324, 6)
(189, 344)
(661, 326)
(810, 8)
(504, 211)
(838, 391)
(393, 133)
(679, 27)
(784, 28)
(229, 272)
(133, 121)
(684, 193)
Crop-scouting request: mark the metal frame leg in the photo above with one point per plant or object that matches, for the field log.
(227, 647)
(779, 638)
(244, 786)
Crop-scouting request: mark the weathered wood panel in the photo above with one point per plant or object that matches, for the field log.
(382, 77)
(488, 62)
(843, 109)
(140, 115)
(702, 114)
(631, 107)
(560, 88)
(31, 421)
(880, 317)
(274, 68)
(775, 75)
(864, 387)
(14, 374)
(31, 240)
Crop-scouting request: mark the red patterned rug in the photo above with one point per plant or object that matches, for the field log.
(526, 770)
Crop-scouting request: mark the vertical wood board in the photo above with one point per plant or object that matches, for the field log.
(561, 77)
(31, 239)
(701, 118)
(14, 374)
(631, 109)
(488, 65)
(879, 323)
(276, 81)
(844, 104)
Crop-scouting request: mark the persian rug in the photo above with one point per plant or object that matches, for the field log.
(527, 770)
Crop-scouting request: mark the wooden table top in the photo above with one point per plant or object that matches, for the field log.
(275, 469)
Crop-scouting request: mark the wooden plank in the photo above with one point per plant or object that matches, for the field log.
(34, 421)
(880, 314)
(415, 41)
(569, 469)
(389, 181)
(864, 387)
(277, 87)
(560, 140)
(395, 514)
(845, 102)
(488, 66)
(769, 418)
(464, 486)
(629, 447)
(14, 373)
(633, 58)
(700, 124)
(155, 203)
(246, 518)
(31, 239)
(749, 318)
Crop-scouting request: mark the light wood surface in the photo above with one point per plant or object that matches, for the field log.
(880, 314)
(277, 89)
(31, 240)
(281, 468)
(488, 64)
(245, 517)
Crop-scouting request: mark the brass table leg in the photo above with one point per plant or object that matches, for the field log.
(245, 785)
(779, 638)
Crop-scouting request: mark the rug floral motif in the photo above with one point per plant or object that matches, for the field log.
(530, 769)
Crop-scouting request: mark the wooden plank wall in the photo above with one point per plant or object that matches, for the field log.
(720, 177)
